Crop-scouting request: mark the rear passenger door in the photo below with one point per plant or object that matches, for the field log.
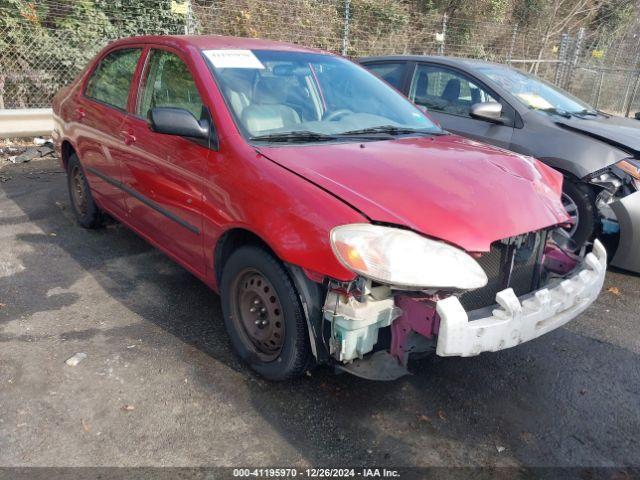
(448, 95)
(100, 113)
(163, 174)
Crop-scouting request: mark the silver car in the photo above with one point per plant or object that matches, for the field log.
(599, 154)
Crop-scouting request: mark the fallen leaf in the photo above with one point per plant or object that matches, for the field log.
(85, 425)
(615, 291)
(500, 448)
(2, 305)
(52, 234)
(442, 415)
(424, 418)
(583, 391)
(128, 408)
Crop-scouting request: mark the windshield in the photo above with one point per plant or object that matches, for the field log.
(277, 95)
(533, 92)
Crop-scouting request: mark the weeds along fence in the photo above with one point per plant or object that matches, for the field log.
(44, 45)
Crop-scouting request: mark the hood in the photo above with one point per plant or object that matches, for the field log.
(623, 133)
(446, 187)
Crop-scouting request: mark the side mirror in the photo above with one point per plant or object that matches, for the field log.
(489, 111)
(178, 121)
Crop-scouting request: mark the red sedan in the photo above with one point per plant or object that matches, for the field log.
(339, 224)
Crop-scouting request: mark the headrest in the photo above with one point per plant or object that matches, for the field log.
(270, 90)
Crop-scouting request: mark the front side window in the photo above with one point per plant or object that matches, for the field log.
(443, 90)
(111, 80)
(273, 93)
(168, 84)
(533, 92)
(392, 73)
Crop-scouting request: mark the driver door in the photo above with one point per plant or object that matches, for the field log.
(448, 95)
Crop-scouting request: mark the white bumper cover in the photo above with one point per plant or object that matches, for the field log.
(516, 322)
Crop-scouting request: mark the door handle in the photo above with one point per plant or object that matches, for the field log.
(128, 136)
(80, 113)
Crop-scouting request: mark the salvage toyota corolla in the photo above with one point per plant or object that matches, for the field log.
(339, 224)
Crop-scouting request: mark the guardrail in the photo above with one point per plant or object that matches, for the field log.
(28, 122)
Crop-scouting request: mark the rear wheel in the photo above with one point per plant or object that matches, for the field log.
(579, 201)
(84, 207)
(263, 314)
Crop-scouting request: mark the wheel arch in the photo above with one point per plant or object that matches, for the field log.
(310, 293)
(66, 150)
(230, 241)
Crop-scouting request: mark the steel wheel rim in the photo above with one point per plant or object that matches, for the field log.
(257, 314)
(572, 209)
(78, 192)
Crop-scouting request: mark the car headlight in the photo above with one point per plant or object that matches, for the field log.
(612, 178)
(403, 258)
(632, 168)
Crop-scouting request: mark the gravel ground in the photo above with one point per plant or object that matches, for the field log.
(161, 387)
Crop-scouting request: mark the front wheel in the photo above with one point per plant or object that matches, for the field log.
(579, 201)
(263, 314)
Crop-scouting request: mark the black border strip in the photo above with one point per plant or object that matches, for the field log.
(147, 201)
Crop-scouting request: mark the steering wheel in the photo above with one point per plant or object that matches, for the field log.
(333, 116)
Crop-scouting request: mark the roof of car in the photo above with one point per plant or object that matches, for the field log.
(204, 42)
(453, 61)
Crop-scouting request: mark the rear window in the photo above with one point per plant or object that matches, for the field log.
(111, 80)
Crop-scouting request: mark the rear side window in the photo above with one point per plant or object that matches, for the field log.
(169, 84)
(111, 80)
(392, 73)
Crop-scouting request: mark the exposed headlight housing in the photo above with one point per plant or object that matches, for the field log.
(619, 179)
(402, 258)
(632, 168)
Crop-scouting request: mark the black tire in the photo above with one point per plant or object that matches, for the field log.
(294, 354)
(83, 205)
(584, 199)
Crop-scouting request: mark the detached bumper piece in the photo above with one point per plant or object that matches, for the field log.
(517, 322)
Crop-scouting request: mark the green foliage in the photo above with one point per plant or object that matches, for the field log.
(44, 45)
(614, 15)
(483, 10)
(387, 15)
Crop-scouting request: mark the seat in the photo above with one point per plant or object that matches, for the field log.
(422, 85)
(476, 97)
(237, 87)
(268, 110)
(422, 96)
(451, 91)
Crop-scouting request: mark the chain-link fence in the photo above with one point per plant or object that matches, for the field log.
(39, 55)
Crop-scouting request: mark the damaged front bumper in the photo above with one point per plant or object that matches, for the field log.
(627, 210)
(519, 321)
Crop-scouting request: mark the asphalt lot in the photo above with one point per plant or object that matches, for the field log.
(160, 385)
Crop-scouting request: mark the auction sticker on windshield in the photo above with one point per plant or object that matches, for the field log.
(233, 59)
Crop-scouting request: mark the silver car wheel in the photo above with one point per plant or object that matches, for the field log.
(572, 209)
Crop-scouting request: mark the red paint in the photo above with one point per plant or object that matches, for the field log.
(418, 315)
(454, 189)
(558, 261)
(460, 191)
